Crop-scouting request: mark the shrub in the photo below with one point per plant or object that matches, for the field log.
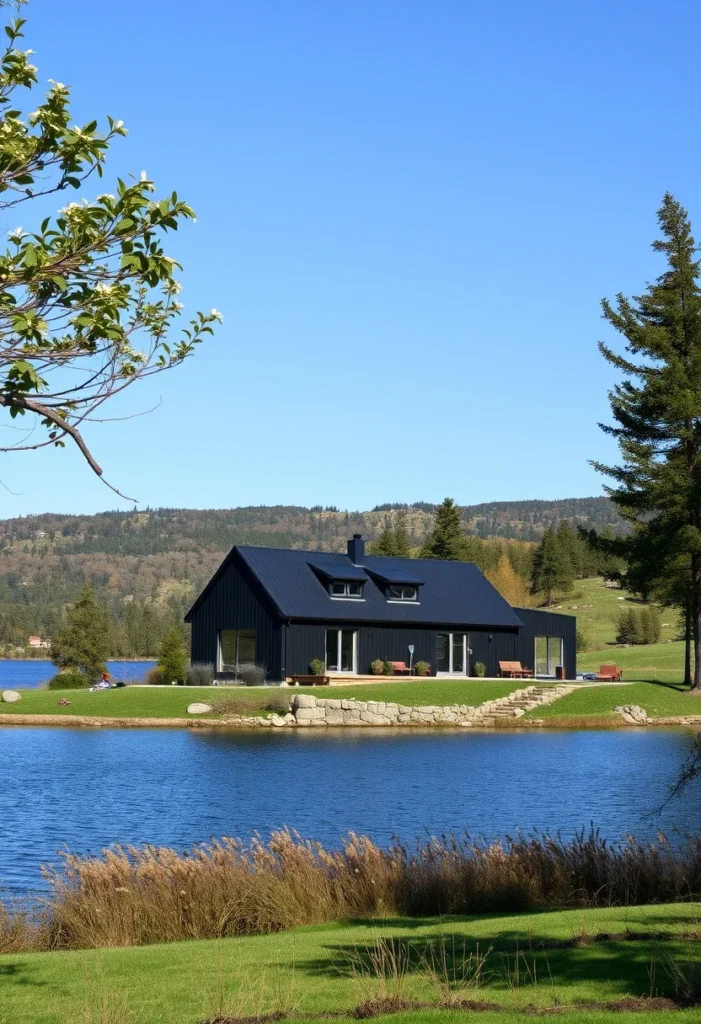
(422, 668)
(70, 680)
(377, 667)
(480, 669)
(317, 667)
(583, 640)
(199, 674)
(156, 676)
(388, 669)
(173, 656)
(251, 674)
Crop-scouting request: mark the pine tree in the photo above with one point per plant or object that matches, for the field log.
(84, 642)
(402, 543)
(447, 540)
(551, 567)
(571, 548)
(173, 656)
(657, 414)
(385, 543)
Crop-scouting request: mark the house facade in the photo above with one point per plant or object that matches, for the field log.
(283, 609)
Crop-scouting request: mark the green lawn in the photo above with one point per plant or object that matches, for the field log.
(172, 702)
(660, 700)
(598, 607)
(429, 691)
(650, 662)
(563, 957)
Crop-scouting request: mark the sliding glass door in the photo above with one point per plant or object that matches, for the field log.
(548, 654)
(451, 654)
(341, 650)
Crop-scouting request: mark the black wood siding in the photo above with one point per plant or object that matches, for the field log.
(235, 602)
(540, 623)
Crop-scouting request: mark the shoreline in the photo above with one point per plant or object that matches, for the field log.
(256, 722)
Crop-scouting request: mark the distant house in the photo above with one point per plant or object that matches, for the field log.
(284, 609)
(36, 641)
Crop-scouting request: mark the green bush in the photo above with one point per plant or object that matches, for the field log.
(480, 669)
(377, 667)
(388, 669)
(422, 668)
(317, 667)
(199, 674)
(70, 680)
(583, 640)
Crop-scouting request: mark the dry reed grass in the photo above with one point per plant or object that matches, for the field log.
(138, 896)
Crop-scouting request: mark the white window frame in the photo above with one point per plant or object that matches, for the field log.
(407, 594)
(220, 659)
(342, 629)
(346, 595)
(551, 663)
(466, 652)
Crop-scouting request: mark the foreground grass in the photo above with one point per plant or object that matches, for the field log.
(660, 700)
(172, 702)
(529, 959)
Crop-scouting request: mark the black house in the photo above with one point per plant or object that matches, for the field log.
(282, 609)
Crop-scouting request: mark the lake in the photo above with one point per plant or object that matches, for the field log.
(88, 788)
(33, 672)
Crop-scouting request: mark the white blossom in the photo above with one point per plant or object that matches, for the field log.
(216, 314)
(118, 124)
(144, 176)
(17, 233)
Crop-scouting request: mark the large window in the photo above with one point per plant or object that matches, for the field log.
(236, 647)
(549, 654)
(451, 654)
(341, 650)
(397, 593)
(347, 590)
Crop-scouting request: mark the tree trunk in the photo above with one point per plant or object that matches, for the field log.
(696, 603)
(687, 643)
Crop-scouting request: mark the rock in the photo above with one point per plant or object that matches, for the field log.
(11, 696)
(193, 709)
(290, 718)
(632, 714)
(278, 721)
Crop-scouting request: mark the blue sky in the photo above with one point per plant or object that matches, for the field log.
(407, 212)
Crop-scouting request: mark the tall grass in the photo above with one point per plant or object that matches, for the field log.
(137, 896)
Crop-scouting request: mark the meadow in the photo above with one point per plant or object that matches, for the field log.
(596, 965)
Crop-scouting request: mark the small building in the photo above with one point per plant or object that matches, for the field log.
(283, 609)
(36, 641)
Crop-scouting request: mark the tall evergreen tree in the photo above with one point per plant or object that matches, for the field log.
(173, 656)
(447, 539)
(657, 420)
(84, 642)
(551, 567)
(402, 543)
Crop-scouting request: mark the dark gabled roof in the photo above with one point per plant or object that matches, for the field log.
(395, 574)
(452, 593)
(330, 568)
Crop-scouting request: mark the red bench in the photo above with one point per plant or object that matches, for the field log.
(400, 668)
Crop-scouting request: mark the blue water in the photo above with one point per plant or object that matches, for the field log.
(87, 788)
(32, 673)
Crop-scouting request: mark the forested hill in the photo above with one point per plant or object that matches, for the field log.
(159, 558)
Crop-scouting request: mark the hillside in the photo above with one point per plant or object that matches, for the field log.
(164, 556)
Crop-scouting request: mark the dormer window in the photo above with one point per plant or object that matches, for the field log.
(346, 589)
(402, 593)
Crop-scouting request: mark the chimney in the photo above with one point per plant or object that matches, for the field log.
(356, 549)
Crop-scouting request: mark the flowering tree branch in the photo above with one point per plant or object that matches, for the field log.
(88, 302)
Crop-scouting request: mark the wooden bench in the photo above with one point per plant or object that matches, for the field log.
(609, 673)
(514, 670)
(400, 668)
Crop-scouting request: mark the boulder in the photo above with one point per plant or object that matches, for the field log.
(196, 708)
(11, 696)
(632, 714)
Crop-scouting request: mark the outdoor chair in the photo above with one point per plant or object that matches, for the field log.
(514, 670)
(609, 673)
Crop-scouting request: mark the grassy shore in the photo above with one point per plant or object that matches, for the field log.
(660, 700)
(551, 959)
(172, 702)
